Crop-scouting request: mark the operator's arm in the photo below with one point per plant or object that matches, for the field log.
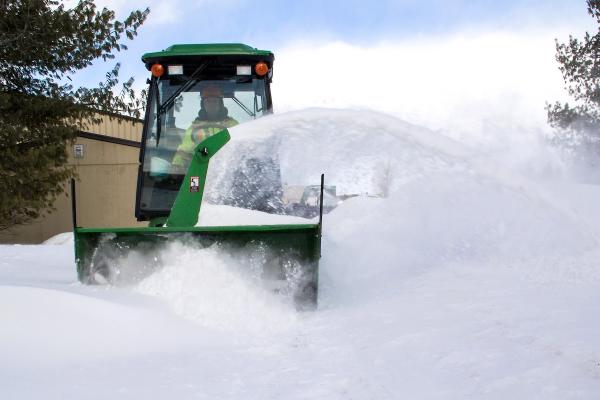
(194, 135)
(183, 155)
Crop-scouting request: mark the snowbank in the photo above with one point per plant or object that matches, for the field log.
(462, 279)
(61, 239)
(222, 215)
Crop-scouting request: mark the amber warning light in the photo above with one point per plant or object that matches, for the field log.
(157, 70)
(261, 68)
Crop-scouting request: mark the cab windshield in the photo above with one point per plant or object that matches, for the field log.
(178, 117)
(244, 100)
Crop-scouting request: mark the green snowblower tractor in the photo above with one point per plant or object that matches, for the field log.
(196, 93)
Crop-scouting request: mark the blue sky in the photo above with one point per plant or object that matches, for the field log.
(447, 57)
(273, 24)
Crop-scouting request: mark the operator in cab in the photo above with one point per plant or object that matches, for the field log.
(212, 118)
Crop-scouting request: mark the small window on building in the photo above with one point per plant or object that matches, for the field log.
(78, 151)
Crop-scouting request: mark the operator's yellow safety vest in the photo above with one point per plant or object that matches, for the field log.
(196, 133)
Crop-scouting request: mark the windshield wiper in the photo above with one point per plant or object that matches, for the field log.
(243, 106)
(163, 107)
(193, 79)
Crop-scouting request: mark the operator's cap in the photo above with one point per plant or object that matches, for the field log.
(211, 91)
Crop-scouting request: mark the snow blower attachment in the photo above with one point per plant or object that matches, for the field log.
(196, 93)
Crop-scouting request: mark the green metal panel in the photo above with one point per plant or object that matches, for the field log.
(283, 247)
(206, 229)
(213, 49)
(187, 203)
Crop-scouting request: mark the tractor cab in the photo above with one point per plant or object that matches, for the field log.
(195, 91)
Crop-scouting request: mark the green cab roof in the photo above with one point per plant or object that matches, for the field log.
(212, 49)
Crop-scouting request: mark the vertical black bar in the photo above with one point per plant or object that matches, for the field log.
(74, 214)
(268, 98)
(73, 204)
(145, 135)
(321, 204)
(158, 110)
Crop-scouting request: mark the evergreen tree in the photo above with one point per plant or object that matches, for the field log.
(579, 125)
(42, 44)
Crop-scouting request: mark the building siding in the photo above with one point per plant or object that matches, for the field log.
(105, 184)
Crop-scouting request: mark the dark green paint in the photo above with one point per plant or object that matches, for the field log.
(253, 228)
(213, 49)
(301, 243)
(187, 203)
(158, 221)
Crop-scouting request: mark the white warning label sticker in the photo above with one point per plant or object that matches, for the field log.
(194, 184)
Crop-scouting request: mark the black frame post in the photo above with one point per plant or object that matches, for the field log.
(73, 203)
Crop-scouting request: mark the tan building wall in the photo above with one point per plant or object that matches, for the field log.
(106, 184)
(105, 187)
(116, 127)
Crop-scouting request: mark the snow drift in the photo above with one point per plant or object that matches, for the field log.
(450, 275)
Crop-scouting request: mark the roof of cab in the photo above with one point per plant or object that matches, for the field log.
(212, 49)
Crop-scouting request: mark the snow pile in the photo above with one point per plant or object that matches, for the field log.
(353, 148)
(222, 215)
(372, 245)
(460, 279)
(61, 239)
(74, 327)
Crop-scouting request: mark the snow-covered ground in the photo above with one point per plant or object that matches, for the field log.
(477, 277)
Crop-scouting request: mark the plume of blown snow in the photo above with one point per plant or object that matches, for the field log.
(219, 289)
